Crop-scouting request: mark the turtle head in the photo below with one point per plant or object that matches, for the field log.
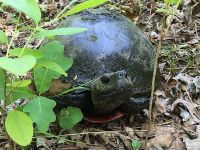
(110, 91)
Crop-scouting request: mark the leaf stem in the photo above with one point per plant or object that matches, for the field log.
(4, 92)
(77, 88)
(72, 89)
(58, 16)
(11, 41)
(48, 23)
(28, 40)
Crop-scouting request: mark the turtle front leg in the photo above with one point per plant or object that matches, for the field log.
(135, 105)
(81, 100)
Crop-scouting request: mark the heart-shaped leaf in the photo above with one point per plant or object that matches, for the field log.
(54, 52)
(85, 5)
(3, 37)
(29, 7)
(52, 66)
(41, 112)
(19, 127)
(42, 79)
(69, 117)
(18, 66)
(60, 31)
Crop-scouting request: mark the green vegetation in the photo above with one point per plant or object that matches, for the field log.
(45, 64)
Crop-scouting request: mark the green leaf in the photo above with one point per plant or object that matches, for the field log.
(17, 93)
(22, 83)
(136, 144)
(53, 52)
(41, 112)
(3, 38)
(42, 79)
(27, 51)
(19, 127)
(168, 10)
(60, 31)
(172, 2)
(69, 117)
(18, 66)
(83, 6)
(29, 7)
(52, 66)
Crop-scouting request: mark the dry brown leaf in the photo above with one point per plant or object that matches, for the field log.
(163, 140)
(196, 82)
(130, 132)
(162, 66)
(58, 86)
(185, 115)
(196, 9)
(189, 105)
(193, 83)
(180, 145)
(96, 148)
(194, 143)
(191, 129)
(41, 141)
(160, 93)
(161, 106)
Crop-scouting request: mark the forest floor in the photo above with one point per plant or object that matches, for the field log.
(176, 113)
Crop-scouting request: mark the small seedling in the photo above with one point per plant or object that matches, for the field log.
(136, 144)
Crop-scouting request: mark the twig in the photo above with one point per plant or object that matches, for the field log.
(67, 140)
(153, 82)
(180, 68)
(99, 132)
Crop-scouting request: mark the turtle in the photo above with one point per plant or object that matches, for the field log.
(113, 60)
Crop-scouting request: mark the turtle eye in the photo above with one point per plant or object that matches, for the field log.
(105, 79)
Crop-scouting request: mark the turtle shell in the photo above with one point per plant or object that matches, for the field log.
(111, 43)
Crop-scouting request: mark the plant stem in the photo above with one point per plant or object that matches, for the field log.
(58, 17)
(82, 86)
(48, 23)
(11, 87)
(176, 7)
(4, 111)
(4, 93)
(72, 89)
(9, 45)
(28, 40)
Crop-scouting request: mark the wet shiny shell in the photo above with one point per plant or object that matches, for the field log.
(111, 43)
